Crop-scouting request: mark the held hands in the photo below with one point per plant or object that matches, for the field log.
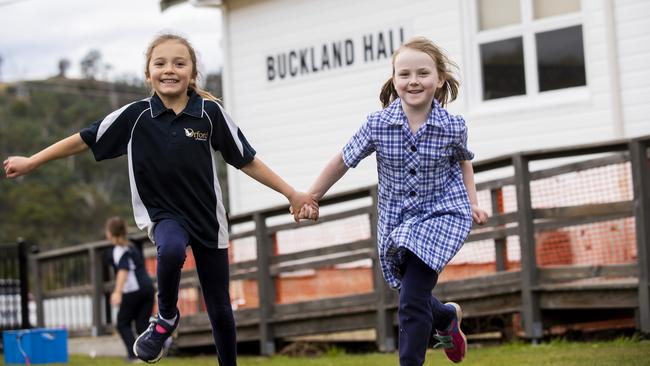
(15, 166)
(478, 215)
(309, 212)
(300, 200)
(306, 212)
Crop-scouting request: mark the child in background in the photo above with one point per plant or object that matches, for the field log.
(171, 140)
(134, 292)
(426, 193)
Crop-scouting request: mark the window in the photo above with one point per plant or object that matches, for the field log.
(560, 58)
(527, 47)
(502, 67)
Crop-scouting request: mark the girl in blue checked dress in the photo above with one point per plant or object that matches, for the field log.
(427, 199)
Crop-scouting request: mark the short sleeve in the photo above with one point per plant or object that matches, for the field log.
(228, 139)
(460, 145)
(109, 137)
(359, 146)
(124, 261)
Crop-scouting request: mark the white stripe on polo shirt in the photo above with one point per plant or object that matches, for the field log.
(108, 121)
(140, 213)
(222, 240)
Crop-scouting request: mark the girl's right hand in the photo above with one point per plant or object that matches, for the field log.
(15, 166)
(479, 216)
(116, 298)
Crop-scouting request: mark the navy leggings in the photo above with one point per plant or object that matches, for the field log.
(135, 308)
(212, 267)
(419, 311)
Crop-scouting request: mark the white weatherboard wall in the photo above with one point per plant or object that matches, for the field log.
(633, 32)
(298, 123)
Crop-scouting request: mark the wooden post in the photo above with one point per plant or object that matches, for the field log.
(98, 290)
(641, 186)
(384, 328)
(35, 264)
(531, 312)
(265, 286)
(500, 249)
(108, 275)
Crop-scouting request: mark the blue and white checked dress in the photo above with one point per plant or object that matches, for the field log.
(422, 202)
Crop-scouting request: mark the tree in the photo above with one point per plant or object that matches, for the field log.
(91, 64)
(65, 201)
(64, 65)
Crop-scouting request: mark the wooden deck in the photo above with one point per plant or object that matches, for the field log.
(569, 288)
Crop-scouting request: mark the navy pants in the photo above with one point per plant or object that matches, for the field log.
(419, 311)
(212, 267)
(135, 308)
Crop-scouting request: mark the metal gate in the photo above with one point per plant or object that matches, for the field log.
(14, 282)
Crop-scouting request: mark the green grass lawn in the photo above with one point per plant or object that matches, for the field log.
(623, 352)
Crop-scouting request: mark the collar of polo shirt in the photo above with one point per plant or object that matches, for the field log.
(193, 108)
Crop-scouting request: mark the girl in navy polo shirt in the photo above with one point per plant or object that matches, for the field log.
(171, 140)
(426, 193)
(133, 292)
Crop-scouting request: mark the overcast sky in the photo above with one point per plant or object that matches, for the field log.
(36, 34)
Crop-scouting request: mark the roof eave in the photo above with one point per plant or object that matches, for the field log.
(166, 4)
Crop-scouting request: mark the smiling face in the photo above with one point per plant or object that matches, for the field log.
(170, 70)
(416, 78)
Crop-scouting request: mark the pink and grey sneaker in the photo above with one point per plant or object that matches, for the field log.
(453, 340)
(151, 344)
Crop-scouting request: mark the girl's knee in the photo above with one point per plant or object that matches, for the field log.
(221, 303)
(414, 300)
(171, 254)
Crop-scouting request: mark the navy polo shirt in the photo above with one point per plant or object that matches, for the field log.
(172, 165)
(130, 258)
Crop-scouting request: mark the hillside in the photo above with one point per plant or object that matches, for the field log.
(66, 201)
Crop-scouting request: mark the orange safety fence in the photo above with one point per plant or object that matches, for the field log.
(600, 243)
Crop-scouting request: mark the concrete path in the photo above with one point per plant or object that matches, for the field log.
(110, 345)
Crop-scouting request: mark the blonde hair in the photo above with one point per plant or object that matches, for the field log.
(445, 94)
(173, 37)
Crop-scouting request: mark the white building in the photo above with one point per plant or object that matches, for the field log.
(301, 76)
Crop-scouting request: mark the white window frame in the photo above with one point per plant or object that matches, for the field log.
(526, 29)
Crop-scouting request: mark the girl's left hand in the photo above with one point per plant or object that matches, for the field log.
(478, 215)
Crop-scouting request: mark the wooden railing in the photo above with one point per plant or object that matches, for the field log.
(526, 291)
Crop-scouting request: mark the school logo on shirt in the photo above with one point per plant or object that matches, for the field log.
(197, 135)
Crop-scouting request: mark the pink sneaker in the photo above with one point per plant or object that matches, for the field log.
(453, 340)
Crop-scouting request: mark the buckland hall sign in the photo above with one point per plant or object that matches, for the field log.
(333, 55)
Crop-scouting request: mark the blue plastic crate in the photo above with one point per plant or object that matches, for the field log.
(41, 346)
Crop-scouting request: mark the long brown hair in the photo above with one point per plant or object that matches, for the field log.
(195, 73)
(445, 94)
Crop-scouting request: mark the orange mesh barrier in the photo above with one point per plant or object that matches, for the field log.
(599, 243)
